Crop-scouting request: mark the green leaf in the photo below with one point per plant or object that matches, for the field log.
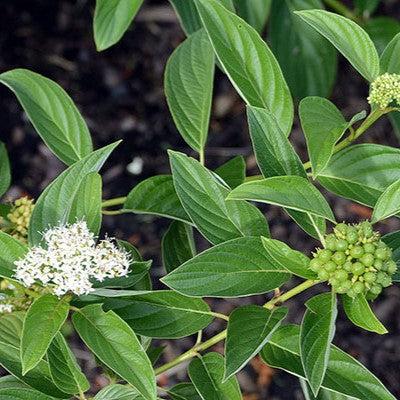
(292, 192)
(249, 329)
(55, 204)
(188, 15)
(111, 20)
(359, 313)
(162, 314)
(46, 315)
(390, 58)
(156, 196)
(323, 393)
(388, 204)
(275, 154)
(248, 62)
(64, 369)
(233, 172)
(316, 335)
(5, 173)
(362, 172)
(314, 71)
(393, 241)
(204, 200)
(240, 267)
(87, 202)
(39, 377)
(11, 250)
(348, 37)
(22, 394)
(207, 372)
(344, 374)
(52, 113)
(177, 245)
(255, 12)
(283, 256)
(117, 346)
(366, 7)
(184, 391)
(118, 392)
(382, 30)
(188, 85)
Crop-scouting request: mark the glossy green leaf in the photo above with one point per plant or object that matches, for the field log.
(52, 113)
(203, 198)
(348, 37)
(388, 204)
(390, 58)
(46, 315)
(314, 72)
(177, 245)
(239, 267)
(117, 346)
(393, 241)
(344, 374)
(184, 391)
(54, 206)
(362, 172)
(248, 62)
(87, 202)
(249, 329)
(316, 335)
(156, 196)
(207, 372)
(11, 250)
(5, 173)
(382, 30)
(188, 15)
(162, 314)
(293, 261)
(359, 313)
(111, 20)
(255, 12)
(188, 85)
(64, 369)
(233, 172)
(292, 192)
(10, 336)
(118, 392)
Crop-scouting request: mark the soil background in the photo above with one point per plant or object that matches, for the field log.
(120, 94)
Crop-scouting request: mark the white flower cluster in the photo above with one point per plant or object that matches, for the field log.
(71, 261)
(6, 308)
(384, 90)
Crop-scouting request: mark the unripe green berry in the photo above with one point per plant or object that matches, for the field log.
(381, 254)
(330, 266)
(347, 266)
(357, 251)
(367, 260)
(339, 257)
(315, 264)
(358, 287)
(341, 275)
(376, 289)
(344, 287)
(391, 267)
(341, 229)
(369, 277)
(369, 248)
(352, 236)
(330, 242)
(358, 268)
(323, 275)
(378, 264)
(341, 245)
(324, 255)
(351, 293)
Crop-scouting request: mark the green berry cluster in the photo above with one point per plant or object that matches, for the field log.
(385, 89)
(355, 261)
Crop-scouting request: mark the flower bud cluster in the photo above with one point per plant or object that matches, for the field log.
(385, 89)
(355, 261)
(71, 261)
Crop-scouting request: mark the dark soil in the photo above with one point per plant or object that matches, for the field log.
(120, 93)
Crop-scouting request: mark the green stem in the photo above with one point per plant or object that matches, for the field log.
(113, 202)
(222, 335)
(202, 156)
(340, 8)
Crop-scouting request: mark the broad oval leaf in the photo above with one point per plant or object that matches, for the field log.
(55, 204)
(156, 196)
(249, 329)
(64, 369)
(162, 313)
(118, 392)
(188, 15)
(316, 335)
(292, 192)
(239, 267)
(359, 313)
(348, 37)
(11, 250)
(344, 374)
(207, 372)
(390, 58)
(111, 20)
(314, 72)
(52, 113)
(381, 30)
(184, 391)
(362, 172)
(46, 315)
(188, 84)
(117, 346)
(388, 203)
(248, 62)
(5, 173)
(293, 261)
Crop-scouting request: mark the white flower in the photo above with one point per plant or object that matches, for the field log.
(72, 260)
(6, 308)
